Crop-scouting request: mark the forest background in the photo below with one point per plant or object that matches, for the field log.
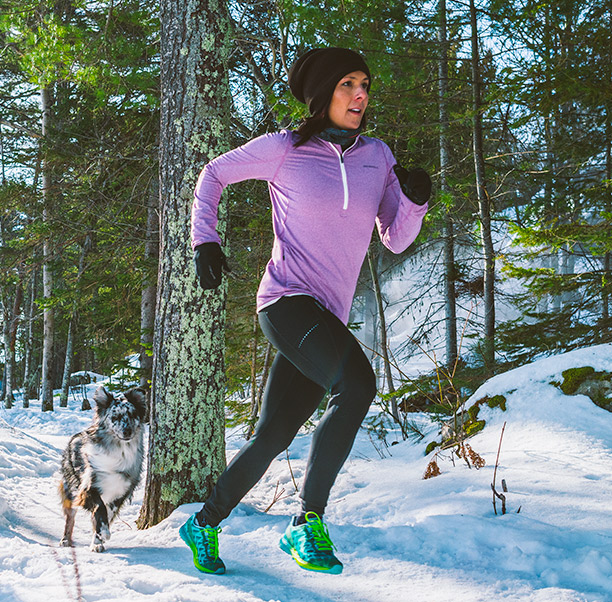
(507, 104)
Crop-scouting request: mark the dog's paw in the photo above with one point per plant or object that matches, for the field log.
(97, 547)
(97, 543)
(65, 542)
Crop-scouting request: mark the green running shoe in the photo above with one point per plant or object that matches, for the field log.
(310, 545)
(204, 543)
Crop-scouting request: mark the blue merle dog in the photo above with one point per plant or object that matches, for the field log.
(101, 465)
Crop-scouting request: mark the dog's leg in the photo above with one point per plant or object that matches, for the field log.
(101, 532)
(115, 506)
(69, 513)
(99, 519)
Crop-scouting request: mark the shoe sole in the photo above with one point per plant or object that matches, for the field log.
(286, 547)
(187, 540)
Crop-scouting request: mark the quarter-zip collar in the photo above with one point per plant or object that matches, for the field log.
(340, 154)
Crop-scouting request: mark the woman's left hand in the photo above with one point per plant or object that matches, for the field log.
(415, 183)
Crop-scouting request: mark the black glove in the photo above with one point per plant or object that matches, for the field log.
(415, 183)
(210, 263)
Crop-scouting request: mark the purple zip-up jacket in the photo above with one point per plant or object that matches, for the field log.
(325, 204)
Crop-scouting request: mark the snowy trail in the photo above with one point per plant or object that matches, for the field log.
(401, 538)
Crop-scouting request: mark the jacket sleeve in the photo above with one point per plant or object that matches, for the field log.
(399, 219)
(259, 159)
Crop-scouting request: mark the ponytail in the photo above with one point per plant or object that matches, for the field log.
(310, 127)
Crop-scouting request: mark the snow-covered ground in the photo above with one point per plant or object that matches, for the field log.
(401, 538)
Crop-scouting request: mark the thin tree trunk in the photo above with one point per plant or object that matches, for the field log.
(73, 325)
(257, 400)
(255, 343)
(149, 286)
(29, 364)
(483, 202)
(187, 446)
(7, 374)
(12, 341)
(48, 312)
(384, 348)
(264, 375)
(607, 262)
(450, 307)
(68, 360)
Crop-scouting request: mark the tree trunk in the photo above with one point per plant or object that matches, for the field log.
(7, 374)
(264, 374)
(384, 348)
(149, 286)
(11, 342)
(257, 400)
(68, 361)
(450, 307)
(29, 362)
(255, 344)
(607, 263)
(48, 312)
(483, 202)
(73, 325)
(186, 446)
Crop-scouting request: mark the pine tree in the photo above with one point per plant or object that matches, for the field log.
(186, 451)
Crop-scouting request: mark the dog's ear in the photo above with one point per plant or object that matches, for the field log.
(138, 397)
(102, 397)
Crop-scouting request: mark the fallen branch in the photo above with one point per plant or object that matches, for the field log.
(501, 496)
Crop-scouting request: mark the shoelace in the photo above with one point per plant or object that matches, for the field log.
(322, 540)
(210, 539)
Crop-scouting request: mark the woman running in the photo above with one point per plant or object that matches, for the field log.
(329, 187)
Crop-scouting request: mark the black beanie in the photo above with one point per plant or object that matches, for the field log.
(313, 77)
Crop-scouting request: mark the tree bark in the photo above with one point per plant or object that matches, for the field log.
(607, 259)
(30, 364)
(48, 311)
(483, 202)
(10, 343)
(254, 348)
(186, 447)
(450, 307)
(149, 287)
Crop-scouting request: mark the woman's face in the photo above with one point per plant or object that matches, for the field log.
(349, 101)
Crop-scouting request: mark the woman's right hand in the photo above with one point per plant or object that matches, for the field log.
(210, 263)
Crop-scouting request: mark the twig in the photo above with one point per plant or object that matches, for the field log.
(278, 496)
(433, 359)
(501, 496)
(291, 470)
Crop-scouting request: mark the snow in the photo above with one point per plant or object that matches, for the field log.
(401, 538)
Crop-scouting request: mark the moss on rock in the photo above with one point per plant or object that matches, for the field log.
(574, 377)
(597, 386)
(497, 401)
(474, 427)
(431, 446)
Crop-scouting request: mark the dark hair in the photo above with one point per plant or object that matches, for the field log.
(311, 126)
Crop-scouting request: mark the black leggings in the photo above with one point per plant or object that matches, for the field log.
(316, 353)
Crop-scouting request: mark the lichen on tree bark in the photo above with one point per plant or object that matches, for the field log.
(186, 448)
